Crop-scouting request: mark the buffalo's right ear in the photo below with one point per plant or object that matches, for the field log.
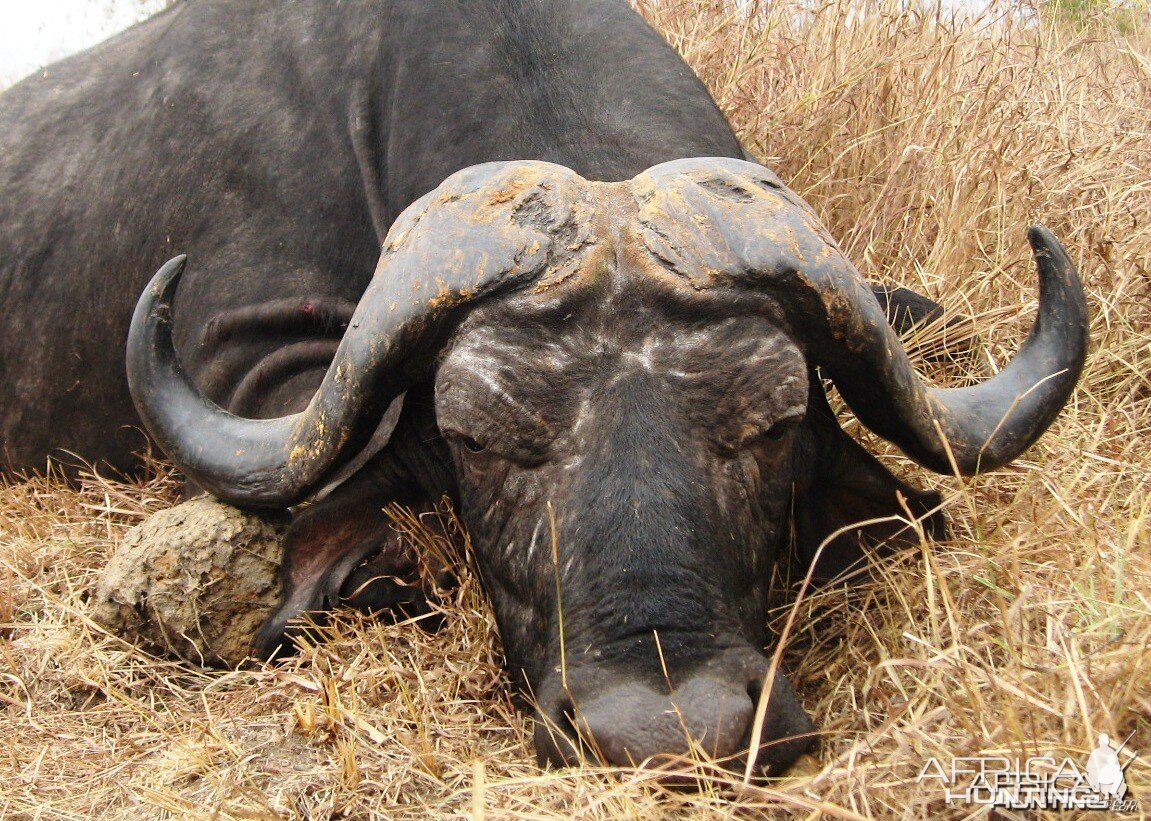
(322, 546)
(906, 309)
(930, 333)
(343, 548)
(839, 484)
(344, 551)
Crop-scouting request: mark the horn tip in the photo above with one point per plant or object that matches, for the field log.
(1044, 242)
(176, 263)
(163, 284)
(1056, 270)
(1040, 234)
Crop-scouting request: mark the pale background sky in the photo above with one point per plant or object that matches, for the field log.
(36, 32)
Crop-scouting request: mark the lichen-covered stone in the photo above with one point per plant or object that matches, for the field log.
(195, 581)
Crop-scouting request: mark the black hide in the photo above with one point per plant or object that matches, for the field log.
(274, 143)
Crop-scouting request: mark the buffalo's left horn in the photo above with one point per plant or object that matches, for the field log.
(487, 228)
(983, 426)
(758, 235)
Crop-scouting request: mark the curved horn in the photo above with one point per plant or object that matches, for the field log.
(758, 234)
(984, 426)
(486, 229)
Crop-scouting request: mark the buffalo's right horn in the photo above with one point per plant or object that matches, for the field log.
(486, 229)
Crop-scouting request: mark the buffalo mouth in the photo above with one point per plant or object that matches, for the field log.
(681, 727)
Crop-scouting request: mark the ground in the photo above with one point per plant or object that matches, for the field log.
(927, 145)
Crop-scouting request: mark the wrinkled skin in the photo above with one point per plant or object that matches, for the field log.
(615, 384)
(624, 480)
(636, 446)
(627, 456)
(627, 483)
(634, 427)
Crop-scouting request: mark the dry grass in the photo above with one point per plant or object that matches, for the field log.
(927, 146)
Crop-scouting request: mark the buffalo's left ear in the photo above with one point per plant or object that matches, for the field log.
(839, 484)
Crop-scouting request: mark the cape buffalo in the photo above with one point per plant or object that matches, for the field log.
(594, 324)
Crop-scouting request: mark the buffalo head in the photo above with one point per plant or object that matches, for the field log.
(624, 383)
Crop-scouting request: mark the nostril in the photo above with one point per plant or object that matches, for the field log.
(787, 731)
(556, 736)
(565, 719)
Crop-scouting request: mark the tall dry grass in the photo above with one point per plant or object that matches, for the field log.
(928, 145)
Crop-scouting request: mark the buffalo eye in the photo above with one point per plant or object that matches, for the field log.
(779, 430)
(472, 445)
